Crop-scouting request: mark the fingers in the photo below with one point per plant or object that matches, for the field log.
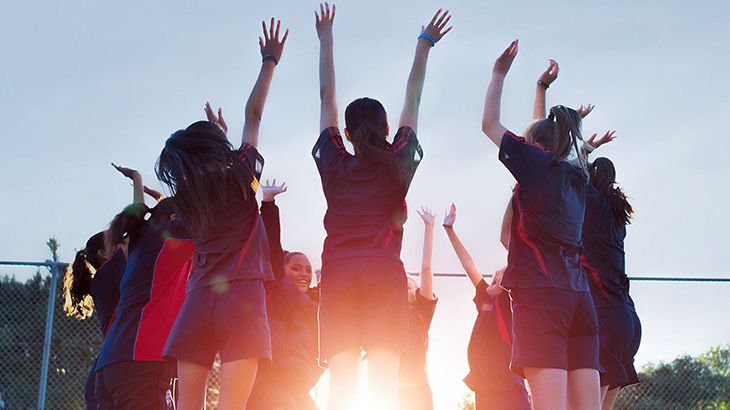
(441, 19)
(273, 183)
(266, 33)
(332, 17)
(286, 34)
(433, 20)
(316, 17)
(592, 138)
(271, 29)
(278, 26)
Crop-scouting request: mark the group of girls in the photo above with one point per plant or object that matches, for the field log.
(206, 273)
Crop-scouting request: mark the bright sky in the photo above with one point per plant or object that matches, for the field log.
(86, 83)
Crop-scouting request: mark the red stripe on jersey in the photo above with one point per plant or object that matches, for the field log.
(248, 242)
(167, 294)
(523, 233)
(594, 274)
(522, 139)
(501, 324)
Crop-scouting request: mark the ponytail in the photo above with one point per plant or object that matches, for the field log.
(130, 219)
(370, 143)
(367, 126)
(77, 279)
(603, 178)
(559, 133)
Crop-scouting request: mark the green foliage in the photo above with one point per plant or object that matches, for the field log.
(687, 383)
(74, 345)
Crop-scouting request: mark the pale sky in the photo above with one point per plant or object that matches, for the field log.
(86, 83)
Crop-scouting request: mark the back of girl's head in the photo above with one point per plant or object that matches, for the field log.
(559, 133)
(198, 165)
(367, 126)
(603, 178)
(163, 211)
(77, 280)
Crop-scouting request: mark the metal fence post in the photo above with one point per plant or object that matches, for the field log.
(47, 337)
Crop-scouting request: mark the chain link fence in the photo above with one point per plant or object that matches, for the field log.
(687, 383)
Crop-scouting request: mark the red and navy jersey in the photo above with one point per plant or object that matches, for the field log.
(234, 245)
(413, 369)
(366, 206)
(292, 318)
(105, 288)
(151, 294)
(603, 253)
(490, 345)
(548, 206)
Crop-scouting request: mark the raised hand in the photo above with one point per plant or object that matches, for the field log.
(127, 172)
(427, 216)
(435, 29)
(324, 20)
(551, 74)
(605, 139)
(270, 191)
(216, 119)
(584, 111)
(504, 61)
(450, 217)
(270, 44)
(158, 196)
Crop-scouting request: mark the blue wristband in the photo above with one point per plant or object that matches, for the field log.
(427, 37)
(269, 57)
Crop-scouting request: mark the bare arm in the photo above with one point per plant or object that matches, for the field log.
(327, 87)
(426, 288)
(271, 50)
(491, 125)
(417, 77)
(546, 79)
(466, 261)
(137, 184)
(506, 225)
(157, 195)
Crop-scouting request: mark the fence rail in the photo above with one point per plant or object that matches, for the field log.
(67, 361)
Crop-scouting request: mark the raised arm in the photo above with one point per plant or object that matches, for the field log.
(492, 104)
(271, 50)
(272, 225)
(428, 218)
(430, 35)
(137, 185)
(543, 83)
(506, 225)
(157, 195)
(466, 261)
(327, 96)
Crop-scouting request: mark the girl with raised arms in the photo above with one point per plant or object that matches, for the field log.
(364, 303)
(555, 342)
(215, 194)
(494, 386)
(286, 381)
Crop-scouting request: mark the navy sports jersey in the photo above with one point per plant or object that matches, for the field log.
(292, 319)
(366, 206)
(603, 253)
(151, 294)
(548, 205)
(234, 245)
(490, 344)
(420, 315)
(105, 288)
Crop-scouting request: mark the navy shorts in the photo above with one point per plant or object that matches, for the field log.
(135, 386)
(229, 318)
(513, 399)
(553, 329)
(363, 303)
(619, 330)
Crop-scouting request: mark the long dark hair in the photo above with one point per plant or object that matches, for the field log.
(77, 279)
(603, 177)
(367, 125)
(201, 168)
(133, 217)
(559, 133)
